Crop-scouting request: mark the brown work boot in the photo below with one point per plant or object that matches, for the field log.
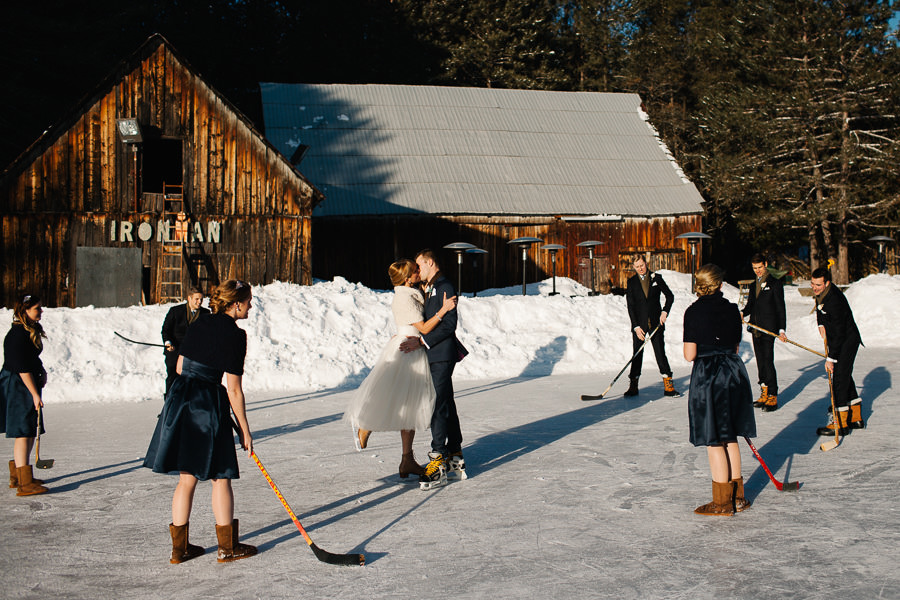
(740, 502)
(669, 387)
(723, 501)
(856, 420)
(771, 403)
(181, 549)
(843, 414)
(27, 485)
(229, 547)
(763, 396)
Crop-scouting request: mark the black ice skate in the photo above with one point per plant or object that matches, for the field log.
(435, 472)
(456, 466)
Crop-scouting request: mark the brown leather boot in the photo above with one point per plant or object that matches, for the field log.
(409, 466)
(27, 485)
(856, 420)
(669, 387)
(843, 425)
(740, 502)
(14, 477)
(723, 501)
(771, 403)
(763, 396)
(181, 549)
(363, 437)
(229, 547)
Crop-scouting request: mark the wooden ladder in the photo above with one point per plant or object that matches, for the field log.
(171, 257)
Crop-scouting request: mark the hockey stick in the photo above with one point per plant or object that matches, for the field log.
(587, 397)
(788, 340)
(40, 463)
(787, 486)
(324, 556)
(832, 444)
(137, 342)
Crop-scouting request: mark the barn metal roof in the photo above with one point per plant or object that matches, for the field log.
(394, 149)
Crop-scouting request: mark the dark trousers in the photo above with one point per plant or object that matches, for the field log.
(171, 365)
(446, 436)
(659, 349)
(842, 377)
(764, 348)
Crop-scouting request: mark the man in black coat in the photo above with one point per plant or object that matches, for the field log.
(175, 325)
(444, 351)
(765, 305)
(838, 328)
(642, 296)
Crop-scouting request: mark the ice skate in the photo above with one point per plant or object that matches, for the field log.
(456, 466)
(435, 472)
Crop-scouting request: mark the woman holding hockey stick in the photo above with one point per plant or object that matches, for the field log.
(398, 394)
(720, 405)
(193, 436)
(21, 381)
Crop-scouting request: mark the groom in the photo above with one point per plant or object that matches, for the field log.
(444, 351)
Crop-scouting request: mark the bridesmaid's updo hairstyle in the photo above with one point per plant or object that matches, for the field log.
(709, 279)
(226, 294)
(401, 270)
(34, 329)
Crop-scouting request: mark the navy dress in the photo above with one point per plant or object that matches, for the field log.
(720, 402)
(194, 431)
(18, 416)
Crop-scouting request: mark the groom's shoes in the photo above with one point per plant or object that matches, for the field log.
(456, 465)
(435, 472)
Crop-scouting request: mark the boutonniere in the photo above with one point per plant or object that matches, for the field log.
(765, 288)
(819, 308)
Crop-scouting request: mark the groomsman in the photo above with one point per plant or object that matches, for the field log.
(174, 328)
(838, 328)
(765, 306)
(642, 295)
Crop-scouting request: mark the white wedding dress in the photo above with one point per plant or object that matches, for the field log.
(398, 392)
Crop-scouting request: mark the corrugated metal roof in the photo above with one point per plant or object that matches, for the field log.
(387, 149)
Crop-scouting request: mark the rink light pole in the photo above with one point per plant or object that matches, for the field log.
(590, 245)
(475, 253)
(459, 248)
(553, 249)
(524, 243)
(693, 238)
(881, 240)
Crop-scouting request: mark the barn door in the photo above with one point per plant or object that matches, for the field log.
(107, 276)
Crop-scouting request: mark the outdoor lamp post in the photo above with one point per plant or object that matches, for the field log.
(693, 238)
(590, 245)
(553, 249)
(475, 252)
(459, 248)
(130, 132)
(881, 240)
(524, 243)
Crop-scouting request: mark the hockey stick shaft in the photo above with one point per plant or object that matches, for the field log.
(831, 445)
(787, 486)
(616, 378)
(137, 342)
(788, 340)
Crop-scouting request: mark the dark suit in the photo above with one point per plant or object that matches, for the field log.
(765, 305)
(443, 353)
(843, 340)
(174, 327)
(644, 311)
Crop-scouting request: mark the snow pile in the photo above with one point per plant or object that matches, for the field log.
(328, 335)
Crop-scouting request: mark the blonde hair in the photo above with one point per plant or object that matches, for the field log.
(34, 329)
(709, 279)
(401, 270)
(226, 294)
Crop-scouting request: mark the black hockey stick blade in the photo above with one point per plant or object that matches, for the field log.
(588, 397)
(347, 560)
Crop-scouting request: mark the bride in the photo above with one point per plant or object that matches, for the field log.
(398, 393)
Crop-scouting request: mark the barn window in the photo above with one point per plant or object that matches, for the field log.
(162, 164)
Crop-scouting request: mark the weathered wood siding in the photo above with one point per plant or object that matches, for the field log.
(67, 188)
(361, 248)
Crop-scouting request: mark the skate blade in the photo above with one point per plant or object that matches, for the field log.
(460, 474)
(430, 485)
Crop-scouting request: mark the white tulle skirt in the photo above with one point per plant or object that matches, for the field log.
(398, 393)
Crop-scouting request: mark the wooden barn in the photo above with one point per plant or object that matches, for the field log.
(153, 183)
(407, 167)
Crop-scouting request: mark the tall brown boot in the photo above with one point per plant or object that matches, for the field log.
(181, 549)
(14, 477)
(723, 501)
(740, 502)
(229, 547)
(27, 485)
(409, 466)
